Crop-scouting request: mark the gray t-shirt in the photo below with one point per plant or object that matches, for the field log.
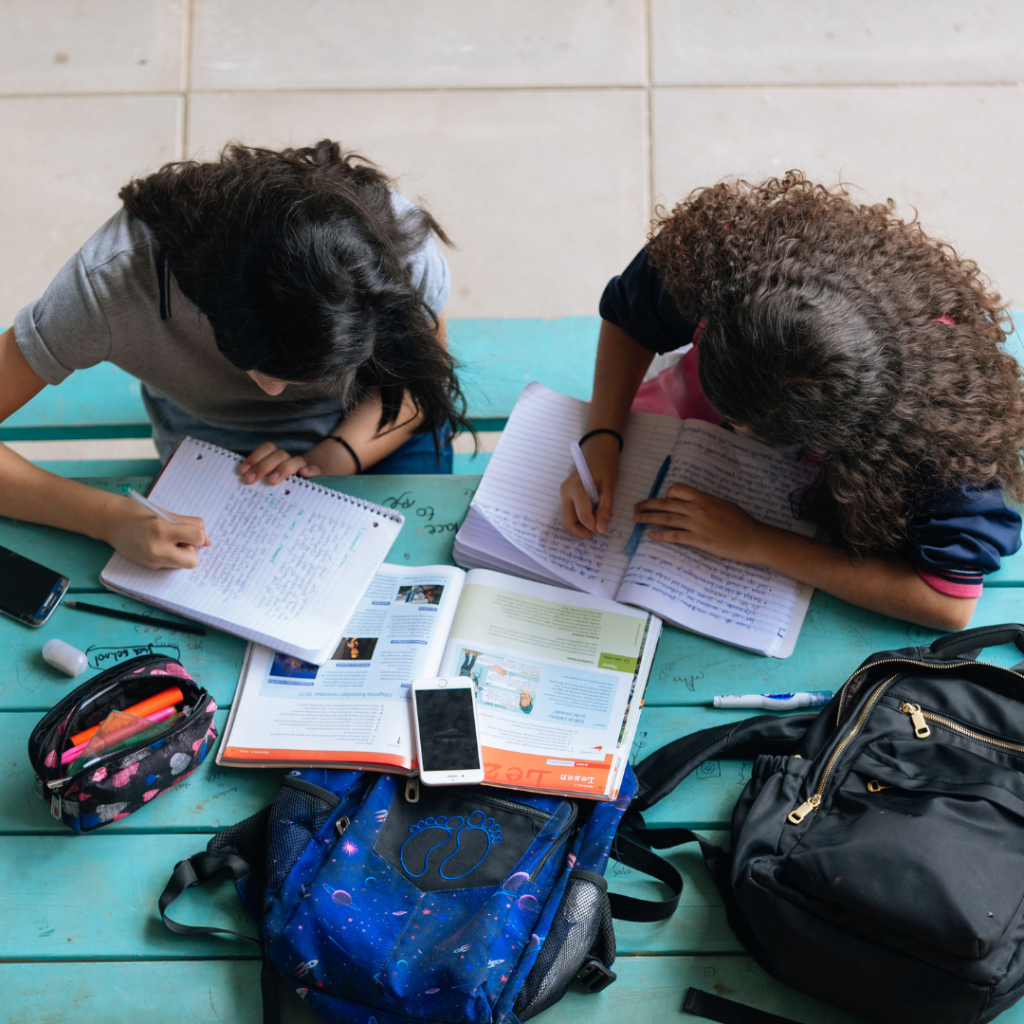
(104, 306)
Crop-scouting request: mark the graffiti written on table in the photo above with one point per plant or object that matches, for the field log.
(105, 657)
(403, 501)
(433, 528)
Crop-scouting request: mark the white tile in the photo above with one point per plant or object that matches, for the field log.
(352, 44)
(954, 153)
(542, 191)
(737, 42)
(487, 441)
(63, 451)
(63, 46)
(64, 160)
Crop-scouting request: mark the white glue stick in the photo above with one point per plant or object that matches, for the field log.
(64, 657)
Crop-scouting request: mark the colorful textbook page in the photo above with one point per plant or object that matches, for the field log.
(560, 678)
(355, 709)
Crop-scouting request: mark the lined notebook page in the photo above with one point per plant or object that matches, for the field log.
(519, 492)
(741, 604)
(288, 562)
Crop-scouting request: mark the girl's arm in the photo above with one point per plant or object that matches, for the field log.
(890, 586)
(359, 429)
(620, 368)
(31, 494)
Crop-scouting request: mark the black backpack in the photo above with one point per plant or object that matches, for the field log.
(877, 853)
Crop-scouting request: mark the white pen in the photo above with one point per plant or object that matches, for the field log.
(584, 472)
(130, 492)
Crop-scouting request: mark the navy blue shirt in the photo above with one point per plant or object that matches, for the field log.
(956, 538)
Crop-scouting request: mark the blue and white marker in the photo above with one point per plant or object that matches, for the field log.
(775, 701)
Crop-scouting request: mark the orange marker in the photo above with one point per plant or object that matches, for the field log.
(163, 699)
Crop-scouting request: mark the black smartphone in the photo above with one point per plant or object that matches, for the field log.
(28, 591)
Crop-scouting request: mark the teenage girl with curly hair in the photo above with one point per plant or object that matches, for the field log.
(287, 305)
(848, 332)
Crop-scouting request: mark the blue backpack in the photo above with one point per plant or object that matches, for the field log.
(383, 906)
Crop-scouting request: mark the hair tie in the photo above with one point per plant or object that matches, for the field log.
(348, 448)
(602, 430)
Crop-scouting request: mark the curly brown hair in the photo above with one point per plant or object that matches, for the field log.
(844, 329)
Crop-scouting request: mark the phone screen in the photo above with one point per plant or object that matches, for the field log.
(447, 729)
(26, 587)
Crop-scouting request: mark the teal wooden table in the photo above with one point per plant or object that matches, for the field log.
(80, 938)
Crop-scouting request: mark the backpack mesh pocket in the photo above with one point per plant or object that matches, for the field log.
(581, 928)
(298, 813)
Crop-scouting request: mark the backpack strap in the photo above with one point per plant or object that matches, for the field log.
(659, 774)
(726, 1011)
(197, 870)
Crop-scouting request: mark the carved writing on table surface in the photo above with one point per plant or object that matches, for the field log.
(104, 657)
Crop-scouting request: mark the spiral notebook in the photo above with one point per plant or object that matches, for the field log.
(288, 563)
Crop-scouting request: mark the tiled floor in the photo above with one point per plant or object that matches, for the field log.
(540, 133)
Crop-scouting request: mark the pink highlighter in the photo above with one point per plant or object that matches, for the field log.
(156, 716)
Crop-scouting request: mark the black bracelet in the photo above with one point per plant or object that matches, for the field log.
(348, 448)
(602, 430)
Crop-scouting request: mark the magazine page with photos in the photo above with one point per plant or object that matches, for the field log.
(560, 681)
(355, 710)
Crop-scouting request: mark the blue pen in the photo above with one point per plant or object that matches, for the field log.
(634, 538)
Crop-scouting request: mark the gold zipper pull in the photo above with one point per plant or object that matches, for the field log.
(810, 804)
(874, 786)
(921, 728)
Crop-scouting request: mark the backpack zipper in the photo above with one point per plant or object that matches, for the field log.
(921, 718)
(812, 803)
(566, 828)
(814, 800)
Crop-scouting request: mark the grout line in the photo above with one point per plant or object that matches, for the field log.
(592, 87)
(186, 76)
(647, 42)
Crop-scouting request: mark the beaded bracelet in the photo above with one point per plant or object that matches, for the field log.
(348, 448)
(602, 430)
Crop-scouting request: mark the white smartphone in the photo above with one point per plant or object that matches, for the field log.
(447, 739)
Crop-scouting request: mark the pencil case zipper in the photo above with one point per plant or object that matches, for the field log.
(103, 759)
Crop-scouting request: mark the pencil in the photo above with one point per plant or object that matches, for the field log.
(634, 538)
(146, 620)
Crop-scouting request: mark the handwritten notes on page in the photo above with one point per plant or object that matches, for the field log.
(519, 493)
(288, 562)
(744, 605)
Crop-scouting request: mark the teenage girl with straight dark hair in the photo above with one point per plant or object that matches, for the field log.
(285, 305)
(844, 330)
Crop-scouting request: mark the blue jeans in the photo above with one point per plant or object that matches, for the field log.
(417, 455)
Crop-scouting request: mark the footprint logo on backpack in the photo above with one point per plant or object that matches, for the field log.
(452, 847)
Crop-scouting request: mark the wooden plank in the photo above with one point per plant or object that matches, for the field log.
(499, 357)
(648, 989)
(73, 897)
(834, 640)
(433, 506)
(210, 799)
(27, 683)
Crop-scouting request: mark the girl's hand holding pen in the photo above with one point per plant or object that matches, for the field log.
(579, 516)
(703, 521)
(145, 538)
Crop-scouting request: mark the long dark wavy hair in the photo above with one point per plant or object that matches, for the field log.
(299, 261)
(844, 329)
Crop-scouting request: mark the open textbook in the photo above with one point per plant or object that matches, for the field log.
(560, 681)
(287, 565)
(515, 521)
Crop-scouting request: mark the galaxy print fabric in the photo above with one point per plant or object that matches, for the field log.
(429, 911)
(123, 781)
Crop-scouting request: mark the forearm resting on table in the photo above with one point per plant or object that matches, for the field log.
(360, 430)
(889, 586)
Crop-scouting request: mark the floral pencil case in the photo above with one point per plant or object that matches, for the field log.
(88, 786)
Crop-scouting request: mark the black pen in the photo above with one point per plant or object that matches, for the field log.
(114, 613)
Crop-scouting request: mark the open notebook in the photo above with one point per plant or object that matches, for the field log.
(515, 521)
(288, 563)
